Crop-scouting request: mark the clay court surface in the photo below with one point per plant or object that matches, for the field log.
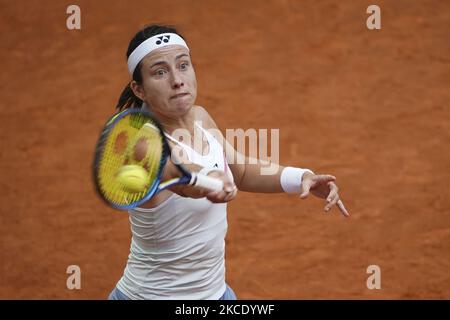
(371, 107)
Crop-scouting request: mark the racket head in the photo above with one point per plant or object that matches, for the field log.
(132, 136)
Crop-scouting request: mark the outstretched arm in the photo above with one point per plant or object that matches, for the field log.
(249, 175)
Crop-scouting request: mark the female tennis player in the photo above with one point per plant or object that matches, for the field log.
(178, 237)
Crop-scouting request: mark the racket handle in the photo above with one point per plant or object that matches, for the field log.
(209, 183)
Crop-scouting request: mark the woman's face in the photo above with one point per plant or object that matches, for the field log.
(169, 85)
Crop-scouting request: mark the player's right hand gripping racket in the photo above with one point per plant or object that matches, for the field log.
(135, 137)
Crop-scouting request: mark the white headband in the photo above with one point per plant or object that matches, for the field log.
(153, 43)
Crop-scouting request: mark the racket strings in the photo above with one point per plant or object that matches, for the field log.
(112, 160)
(133, 140)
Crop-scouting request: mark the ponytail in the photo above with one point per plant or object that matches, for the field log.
(128, 99)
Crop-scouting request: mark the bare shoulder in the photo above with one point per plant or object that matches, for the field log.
(202, 115)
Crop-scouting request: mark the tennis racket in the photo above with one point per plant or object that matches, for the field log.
(134, 137)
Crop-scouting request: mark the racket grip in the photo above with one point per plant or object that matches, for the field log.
(209, 183)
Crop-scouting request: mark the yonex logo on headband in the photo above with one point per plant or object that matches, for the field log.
(153, 43)
(163, 39)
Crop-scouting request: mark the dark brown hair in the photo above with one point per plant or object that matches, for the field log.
(128, 99)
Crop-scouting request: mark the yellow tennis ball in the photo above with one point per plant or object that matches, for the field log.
(133, 178)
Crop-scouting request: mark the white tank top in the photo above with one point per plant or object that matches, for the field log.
(178, 248)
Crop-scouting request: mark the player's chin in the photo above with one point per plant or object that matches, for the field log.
(182, 106)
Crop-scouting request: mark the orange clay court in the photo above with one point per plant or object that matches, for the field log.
(368, 106)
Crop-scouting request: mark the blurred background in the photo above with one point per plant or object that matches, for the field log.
(368, 106)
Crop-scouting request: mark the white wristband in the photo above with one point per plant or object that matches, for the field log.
(291, 179)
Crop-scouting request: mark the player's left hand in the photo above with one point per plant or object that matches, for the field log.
(322, 186)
